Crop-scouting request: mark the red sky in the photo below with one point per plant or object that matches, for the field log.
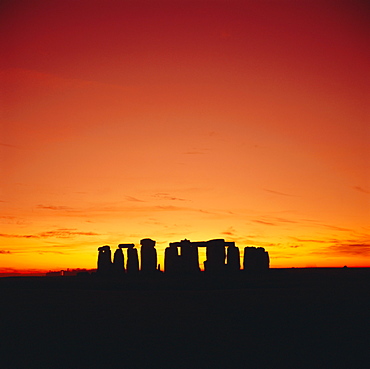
(243, 120)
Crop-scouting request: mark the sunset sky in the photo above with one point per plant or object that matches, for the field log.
(243, 120)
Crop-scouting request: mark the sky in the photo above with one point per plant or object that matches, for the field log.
(243, 120)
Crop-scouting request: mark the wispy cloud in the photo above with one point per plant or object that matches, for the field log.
(315, 223)
(66, 233)
(7, 145)
(58, 233)
(52, 252)
(284, 220)
(347, 248)
(363, 190)
(133, 199)
(207, 212)
(197, 151)
(311, 240)
(263, 222)
(53, 207)
(14, 272)
(229, 232)
(18, 235)
(166, 196)
(352, 248)
(335, 228)
(242, 241)
(278, 193)
(332, 246)
(273, 221)
(170, 208)
(8, 219)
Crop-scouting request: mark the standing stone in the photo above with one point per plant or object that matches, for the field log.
(148, 256)
(215, 256)
(189, 257)
(118, 262)
(132, 260)
(104, 261)
(256, 259)
(233, 258)
(171, 259)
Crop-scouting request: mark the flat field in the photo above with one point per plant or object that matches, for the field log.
(285, 318)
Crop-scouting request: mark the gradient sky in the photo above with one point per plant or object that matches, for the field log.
(243, 120)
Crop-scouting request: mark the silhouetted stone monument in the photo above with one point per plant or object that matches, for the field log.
(148, 256)
(132, 261)
(188, 259)
(185, 262)
(171, 259)
(215, 256)
(256, 259)
(233, 258)
(189, 256)
(182, 257)
(104, 261)
(118, 262)
(132, 265)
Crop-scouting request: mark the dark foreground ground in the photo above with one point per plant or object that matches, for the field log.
(296, 318)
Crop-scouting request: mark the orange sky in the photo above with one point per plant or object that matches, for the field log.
(243, 120)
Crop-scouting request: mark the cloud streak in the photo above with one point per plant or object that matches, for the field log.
(363, 190)
(273, 221)
(338, 247)
(229, 232)
(15, 272)
(122, 207)
(133, 199)
(355, 249)
(303, 240)
(58, 233)
(264, 222)
(279, 193)
(53, 207)
(7, 145)
(166, 196)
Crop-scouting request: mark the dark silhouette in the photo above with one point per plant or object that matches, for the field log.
(188, 259)
(132, 260)
(233, 258)
(185, 262)
(148, 256)
(118, 262)
(182, 258)
(117, 268)
(215, 256)
(312, 316)
(172, 259)
(104, 261)
(132, 266)
(256, 259)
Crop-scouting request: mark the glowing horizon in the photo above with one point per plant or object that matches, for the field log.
(241, 120)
